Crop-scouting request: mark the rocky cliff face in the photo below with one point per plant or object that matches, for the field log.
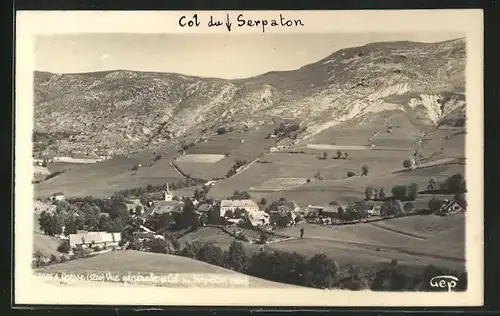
(122, 111)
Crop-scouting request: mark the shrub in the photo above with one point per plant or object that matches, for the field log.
(210, 253)
(236, 259)
(407, 164)
(364, 170)
(354, 281)
(408, 207)
(263, 237)
(321, 271)
(412, 192)
(399, 192)
(433, 185)
(190, 249)
(456, 184)
(156, 245)
(221, 130)
(369, 193)
(461, 200)
(64, 247)
(389, 279)
(391, 208)
(435, 204)
(54, 258)
(381, 194)
(350, 174)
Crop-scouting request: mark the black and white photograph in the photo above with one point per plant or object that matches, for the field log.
(253, 153)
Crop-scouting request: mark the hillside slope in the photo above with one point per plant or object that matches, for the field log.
(119, 112)
(131, 262)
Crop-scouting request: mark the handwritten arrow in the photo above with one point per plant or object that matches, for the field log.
(228, 23)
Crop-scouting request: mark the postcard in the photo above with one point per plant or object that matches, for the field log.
(249, 158)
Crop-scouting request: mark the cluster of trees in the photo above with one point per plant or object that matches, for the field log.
(454, 184)
(355, 211)
(238, 164)
(405, 193)
(240, 195)
(318, 271)
(399, 192)
(86, 213)
(341, 155)
(286, 130)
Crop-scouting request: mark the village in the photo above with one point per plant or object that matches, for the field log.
(162, 214)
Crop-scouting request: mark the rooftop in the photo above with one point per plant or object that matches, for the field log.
(238, 203)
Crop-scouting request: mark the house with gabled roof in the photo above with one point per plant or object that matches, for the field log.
(160, 207)
(449, 207)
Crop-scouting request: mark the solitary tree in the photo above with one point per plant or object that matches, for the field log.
(412, 191)
(364, 170)
(339, 154)
(325, 154)
(345, 155)
(369, 193)
(407, 164)
(435, 204)
(408, 207)
(381, 193)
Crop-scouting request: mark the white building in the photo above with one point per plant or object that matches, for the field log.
(167, 195)
(57, 196)
(95, 238)
(232, 205)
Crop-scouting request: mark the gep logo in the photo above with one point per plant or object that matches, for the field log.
(444, 281)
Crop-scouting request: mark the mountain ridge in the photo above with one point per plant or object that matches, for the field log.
(120, 111)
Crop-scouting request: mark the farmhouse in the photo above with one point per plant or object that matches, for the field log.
(323, 211)
(258, 218)
(57, 197)
(283, 207)
(449, 207)
(94, 238)
(232, 205)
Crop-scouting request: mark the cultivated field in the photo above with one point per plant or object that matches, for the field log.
(200, 158)
(278, 184)
(135, 262)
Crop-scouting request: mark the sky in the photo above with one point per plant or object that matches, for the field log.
(221, 56)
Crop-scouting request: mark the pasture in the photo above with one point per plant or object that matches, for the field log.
(106, 177)
(352, 189)
(373, 128)
(423, 240)
(45, 245)
(254, 143)
(259, 176)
